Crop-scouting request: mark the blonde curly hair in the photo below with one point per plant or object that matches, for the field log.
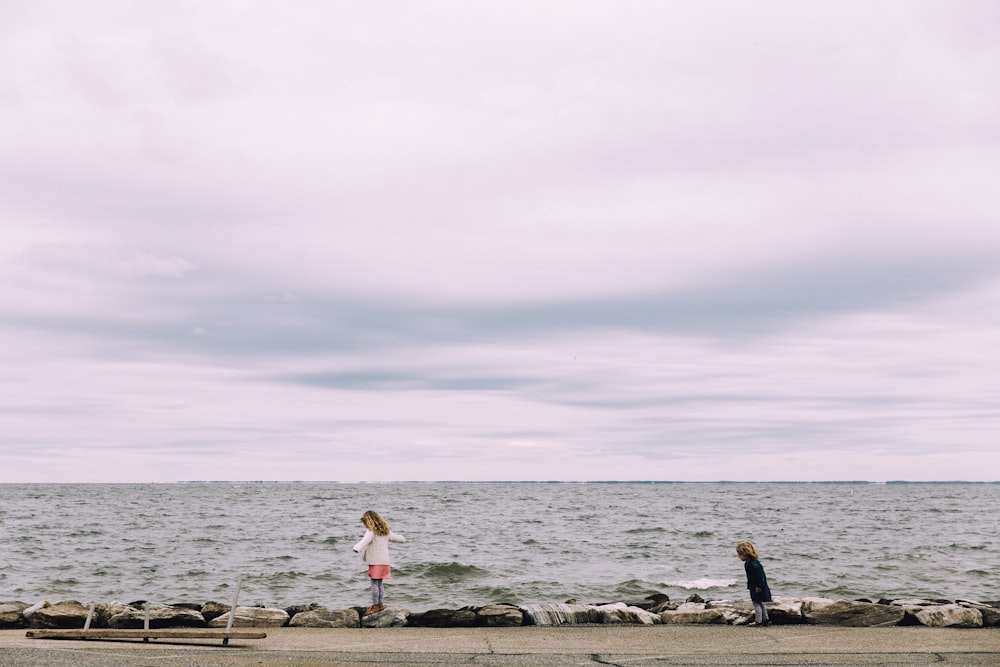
(375, 523)
(747, 550)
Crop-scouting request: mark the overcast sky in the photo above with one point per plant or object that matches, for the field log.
(575, 240)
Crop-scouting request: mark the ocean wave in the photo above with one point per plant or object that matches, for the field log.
(634, 588)
(452, 571)
(495, 595)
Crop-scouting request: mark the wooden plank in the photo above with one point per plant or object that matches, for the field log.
(163, 633)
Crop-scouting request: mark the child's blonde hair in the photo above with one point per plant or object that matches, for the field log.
(747, 550)
(375, 523)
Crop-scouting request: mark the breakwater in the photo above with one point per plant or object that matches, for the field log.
(654, 609)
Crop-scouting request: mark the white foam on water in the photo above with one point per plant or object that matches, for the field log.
(702, 584)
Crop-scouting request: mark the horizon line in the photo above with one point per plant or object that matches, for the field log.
(522, 481)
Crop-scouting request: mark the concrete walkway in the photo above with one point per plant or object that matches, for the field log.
(633, 646)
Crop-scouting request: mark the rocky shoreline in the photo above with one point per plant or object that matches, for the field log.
(655, 609)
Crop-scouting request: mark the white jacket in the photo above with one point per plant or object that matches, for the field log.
(377, 547)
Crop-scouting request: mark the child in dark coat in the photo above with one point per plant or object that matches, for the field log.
(756, 581)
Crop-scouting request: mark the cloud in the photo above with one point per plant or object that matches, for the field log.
(680, 240)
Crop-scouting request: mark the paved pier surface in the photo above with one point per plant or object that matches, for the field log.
(628, 646)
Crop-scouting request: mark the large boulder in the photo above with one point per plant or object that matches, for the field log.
(950, 616)
(812, 605)
(12, 614)
(619, 612)
(499, 616)
(736, 612)
(910, 602)
(785, 611)
(856, 614)
(991, 614)
(160, 616)
(104, 612)
(693, 616)
(654, 603)
(67, 614)
(252, 617)
(559, 614)
(444, 618)
(212, 610)
(389, 617)
(326, 618)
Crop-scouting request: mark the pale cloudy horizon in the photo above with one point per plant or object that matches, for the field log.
(687, 241)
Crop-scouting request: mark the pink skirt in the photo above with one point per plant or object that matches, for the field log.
(379, 572)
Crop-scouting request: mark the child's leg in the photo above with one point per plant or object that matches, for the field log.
(760, 612)
(376, 591)
(381, 591)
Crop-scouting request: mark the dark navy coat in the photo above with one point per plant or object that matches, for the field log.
(757, 579)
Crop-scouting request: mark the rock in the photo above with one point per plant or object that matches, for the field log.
(785, 611)
(558, 614)
(700, 616)
(390, 617)
(950, 616)
(855, 614)
(694, 597)
(212, 610)
(810, 605)
(991, 614)
(910, 602)
(444, 618)
(12, 614)
(499, 616)
(103, 613)
(68, 614)
(299, 608)
(736, 612)
(252, 617)
(656, 603)
(326, 618)
(160, 616)
(620, 612)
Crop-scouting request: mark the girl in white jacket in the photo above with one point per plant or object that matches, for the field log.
(376, 553)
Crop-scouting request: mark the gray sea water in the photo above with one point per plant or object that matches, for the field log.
(476, 543)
